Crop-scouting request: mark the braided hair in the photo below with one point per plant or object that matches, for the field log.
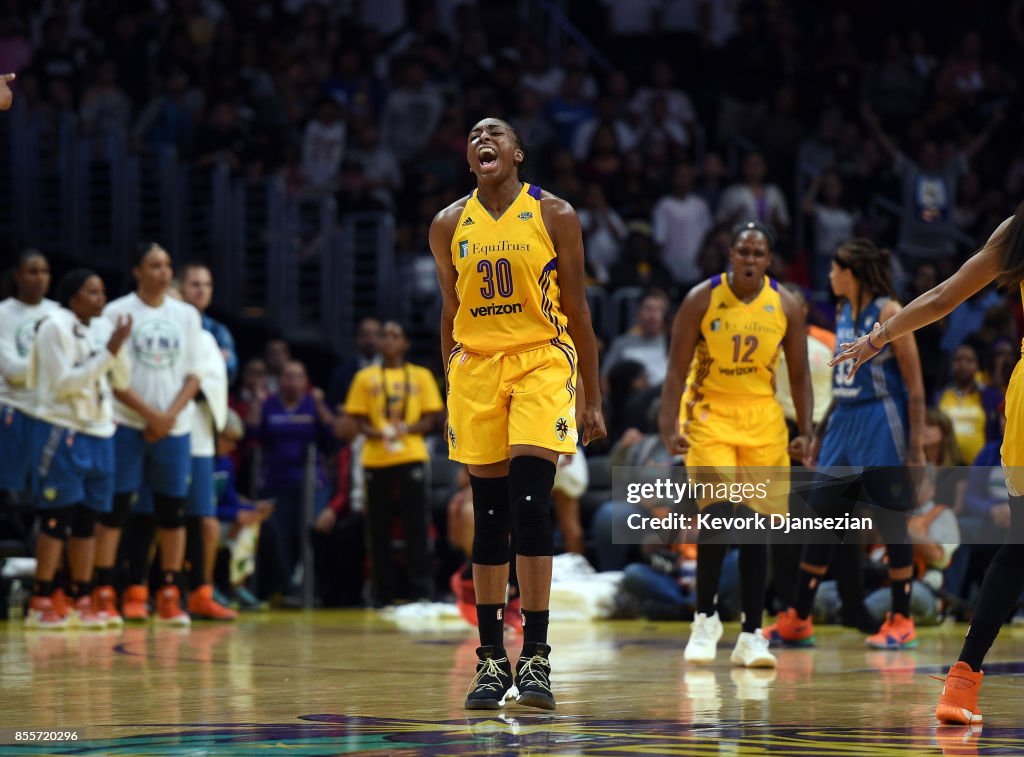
(871, 266)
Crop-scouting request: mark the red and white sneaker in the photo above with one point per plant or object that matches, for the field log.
(61, 603)
(84, 616)
(104, 600)
(42, 615)
(958, 704)
(168, 608)
(134, 603)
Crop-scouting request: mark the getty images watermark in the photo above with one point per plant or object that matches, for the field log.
(923, 505)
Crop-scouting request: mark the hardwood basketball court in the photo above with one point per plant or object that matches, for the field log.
(352, 682)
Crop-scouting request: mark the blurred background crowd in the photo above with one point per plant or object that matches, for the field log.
(664, 122)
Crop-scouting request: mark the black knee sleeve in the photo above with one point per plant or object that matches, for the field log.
(83, 522)
(56, 522)
(118, 514)
(490, 520)
(169, 511)
(529, 487)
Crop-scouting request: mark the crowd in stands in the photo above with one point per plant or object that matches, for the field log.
(813, 123)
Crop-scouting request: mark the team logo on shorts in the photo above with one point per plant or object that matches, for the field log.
(561, 429)
(526, 215)
(451, 436)
(157, 343)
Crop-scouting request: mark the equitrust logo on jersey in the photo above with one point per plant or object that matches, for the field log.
(502, 246)
(463, 248)
(495, 309)
(157, 343)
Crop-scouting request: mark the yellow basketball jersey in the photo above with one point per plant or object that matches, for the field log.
(739, 344)
(507, 278)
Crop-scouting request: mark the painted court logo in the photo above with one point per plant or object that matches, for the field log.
(561, 429)
(157, 343)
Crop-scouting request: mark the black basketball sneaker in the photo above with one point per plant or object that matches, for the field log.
(492, 684)
(533, 677)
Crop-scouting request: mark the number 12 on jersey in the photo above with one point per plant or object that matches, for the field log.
(500, 274)
(738, 342)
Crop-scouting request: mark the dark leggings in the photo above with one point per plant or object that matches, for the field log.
(1000, 590)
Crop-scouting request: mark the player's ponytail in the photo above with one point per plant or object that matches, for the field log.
(1011, 256)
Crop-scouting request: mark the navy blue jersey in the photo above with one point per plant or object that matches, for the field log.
(877, 379)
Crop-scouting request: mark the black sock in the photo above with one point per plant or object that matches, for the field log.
(490, 619)
(172, 578)
(194, 555)
(104, 576)
(1000, 590)
(901, 597)
(535, 626)
(80, 589)
(806, 588)
(138, 542)
(710, 557)
(42, 588)
(753, 570)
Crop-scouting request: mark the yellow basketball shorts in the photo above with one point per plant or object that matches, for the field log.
(735, 440)
(496, 401)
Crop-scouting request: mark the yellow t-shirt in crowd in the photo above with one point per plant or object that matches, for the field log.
(968, 416)
(393, 395)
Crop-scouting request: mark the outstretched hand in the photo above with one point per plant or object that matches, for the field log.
(859, 351)
(6, 96)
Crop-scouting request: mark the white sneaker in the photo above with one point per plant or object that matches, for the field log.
(752, 651)
(704, 635)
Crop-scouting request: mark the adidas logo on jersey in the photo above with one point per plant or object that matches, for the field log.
(468, 222)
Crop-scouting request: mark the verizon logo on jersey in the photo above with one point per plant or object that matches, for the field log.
(494, 309)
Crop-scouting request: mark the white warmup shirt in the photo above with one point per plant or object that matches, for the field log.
(212, 409)
(17, 332)
(73, 373)
(163, 354)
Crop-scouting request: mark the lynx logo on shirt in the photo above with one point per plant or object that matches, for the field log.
(156, 343)
(24, 337)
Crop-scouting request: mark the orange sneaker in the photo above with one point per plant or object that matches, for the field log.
(958, 704)
(83, 615)
(104, 599)
(134, 603)
(897, 632)
(465, 596)
(61, 603)
(42, 615)
(791, 630)
(168, 608)
(202, 605)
